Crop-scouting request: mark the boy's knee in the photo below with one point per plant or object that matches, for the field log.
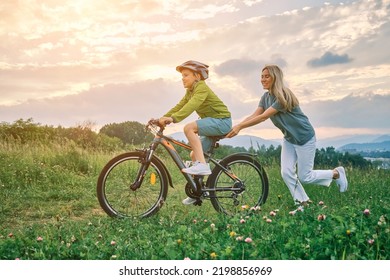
(190, 127)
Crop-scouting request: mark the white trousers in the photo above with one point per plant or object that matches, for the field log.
(295, 157)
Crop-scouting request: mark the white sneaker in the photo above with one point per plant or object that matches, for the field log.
(188, 201)
(198, 168)
(342, 180)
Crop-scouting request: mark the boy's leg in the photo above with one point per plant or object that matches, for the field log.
(214, 127)
(203, 127)
(208, 128)
(191, 132)
(207, 142)
(200, 166)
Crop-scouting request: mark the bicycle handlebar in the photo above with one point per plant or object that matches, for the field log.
(154, 123)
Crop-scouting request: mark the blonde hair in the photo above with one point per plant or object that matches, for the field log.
(284, 95)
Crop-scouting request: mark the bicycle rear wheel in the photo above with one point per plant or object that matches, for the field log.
(117, 198)
(251, 184)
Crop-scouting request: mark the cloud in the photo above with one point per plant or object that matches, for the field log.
(238, 67)
(250, 3)
(353, 111)
(244, 67)
(208, 11)
(329, 58)
(106, 104)
(239, 81)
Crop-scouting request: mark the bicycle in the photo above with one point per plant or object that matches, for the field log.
(135, 184)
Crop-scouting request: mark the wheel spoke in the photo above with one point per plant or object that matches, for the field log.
(115, 194)
(254, 189)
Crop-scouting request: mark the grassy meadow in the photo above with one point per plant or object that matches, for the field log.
(49, 210)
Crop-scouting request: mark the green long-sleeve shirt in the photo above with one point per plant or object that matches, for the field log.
(202, 100)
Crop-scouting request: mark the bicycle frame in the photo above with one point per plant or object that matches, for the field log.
(166, 142)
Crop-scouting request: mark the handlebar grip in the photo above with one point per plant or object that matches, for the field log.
(154, 122)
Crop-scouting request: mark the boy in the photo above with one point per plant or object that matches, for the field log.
(215, 118)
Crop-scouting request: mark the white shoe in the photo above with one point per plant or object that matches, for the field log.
(189, 201)
(188, 163)
(342, 181)
(198, 168)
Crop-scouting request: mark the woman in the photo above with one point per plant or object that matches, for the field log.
(299, 143)
(215, 118)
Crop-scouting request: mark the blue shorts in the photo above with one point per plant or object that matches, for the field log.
(208, 127)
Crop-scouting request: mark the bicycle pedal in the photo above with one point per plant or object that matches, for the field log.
(198, 202)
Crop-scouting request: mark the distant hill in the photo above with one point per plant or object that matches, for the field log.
(248, 141)
(382, 138)
(355, 142)
(245, 141)
(338, 142)
(367, 147)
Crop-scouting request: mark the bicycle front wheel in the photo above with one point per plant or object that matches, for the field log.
(117, 198)
(248, 189)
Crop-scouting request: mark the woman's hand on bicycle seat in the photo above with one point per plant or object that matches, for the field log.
(235, 130)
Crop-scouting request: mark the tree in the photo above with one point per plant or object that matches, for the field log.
(129, 132)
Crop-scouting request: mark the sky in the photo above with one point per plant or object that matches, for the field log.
(98, 62)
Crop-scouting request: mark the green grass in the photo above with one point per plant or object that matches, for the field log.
(49, 210)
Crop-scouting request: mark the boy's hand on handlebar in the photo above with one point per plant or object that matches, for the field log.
(153, 121)
(163, 121)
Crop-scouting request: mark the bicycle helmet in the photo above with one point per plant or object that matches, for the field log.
(195, 66)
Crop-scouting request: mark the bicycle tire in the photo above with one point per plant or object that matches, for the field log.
(253, 176)
(113, 187)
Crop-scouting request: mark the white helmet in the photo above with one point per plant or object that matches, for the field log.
(195, 66)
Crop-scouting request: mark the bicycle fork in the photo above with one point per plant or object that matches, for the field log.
(145, 162)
